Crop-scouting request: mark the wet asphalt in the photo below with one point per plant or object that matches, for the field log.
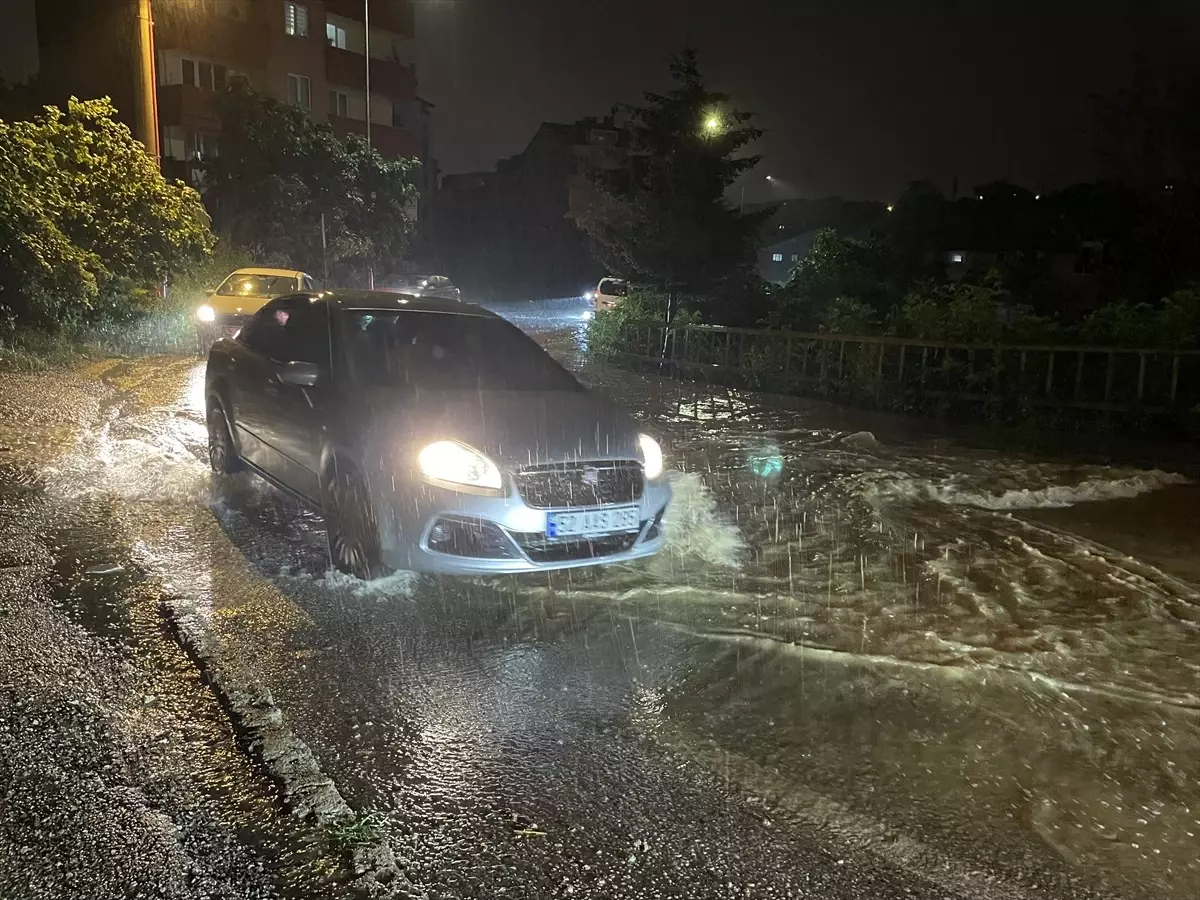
(815, 693)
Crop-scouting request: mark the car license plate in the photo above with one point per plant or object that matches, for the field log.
(591, 522)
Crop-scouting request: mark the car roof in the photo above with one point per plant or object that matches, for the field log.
(256, 270)
(404, 302)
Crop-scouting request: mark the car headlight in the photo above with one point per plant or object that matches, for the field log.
(457, 464)
(652, 460)
(587, 315)
(589, 295)
(206, 314)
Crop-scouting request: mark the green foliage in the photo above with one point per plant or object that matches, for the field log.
(968, 314)
(87, 223)
(835, 267)
(1175, 323)
(845, 315)
(1179, 318)
(279, 172)
(609, 330)
(1121, 324)
(368, 828)
(661, 218)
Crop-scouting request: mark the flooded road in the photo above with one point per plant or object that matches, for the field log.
(869, 664)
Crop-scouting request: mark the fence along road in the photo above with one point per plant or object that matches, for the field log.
(902, 371)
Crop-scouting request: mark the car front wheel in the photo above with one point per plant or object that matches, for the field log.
(351, 526)
(222, 456)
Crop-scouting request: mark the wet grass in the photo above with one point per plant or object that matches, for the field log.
(364, 830)
(38, 350)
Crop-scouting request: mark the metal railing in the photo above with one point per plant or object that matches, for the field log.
(903, 372)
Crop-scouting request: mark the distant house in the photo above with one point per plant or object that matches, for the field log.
(776, 261)
(788, 234)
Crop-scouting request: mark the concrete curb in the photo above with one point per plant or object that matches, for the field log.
(308, 792)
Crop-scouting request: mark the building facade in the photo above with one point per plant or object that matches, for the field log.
(310, 54)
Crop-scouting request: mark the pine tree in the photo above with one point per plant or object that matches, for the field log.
(661, 219)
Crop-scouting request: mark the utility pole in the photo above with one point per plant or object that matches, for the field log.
(367, 48)
(147, 90)
(367, 54)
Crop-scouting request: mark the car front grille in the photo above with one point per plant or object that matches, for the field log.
(580, 484)
(539, 549)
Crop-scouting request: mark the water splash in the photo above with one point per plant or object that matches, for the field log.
(697, 527)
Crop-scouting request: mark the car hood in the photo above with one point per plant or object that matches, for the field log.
(514, 428)
(244, 305)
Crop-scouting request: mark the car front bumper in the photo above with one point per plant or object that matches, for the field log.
(515, 527)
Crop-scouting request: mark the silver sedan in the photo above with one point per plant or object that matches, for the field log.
(434, 436)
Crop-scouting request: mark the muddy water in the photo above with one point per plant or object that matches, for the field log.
(907, 641)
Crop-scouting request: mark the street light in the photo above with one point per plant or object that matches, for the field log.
(712, 124)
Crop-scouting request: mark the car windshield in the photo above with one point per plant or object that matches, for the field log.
(257, 285)
(445, 351)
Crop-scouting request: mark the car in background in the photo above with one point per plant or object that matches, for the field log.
(436, 286)
(433, 435)
(609, 292)
(229, 306)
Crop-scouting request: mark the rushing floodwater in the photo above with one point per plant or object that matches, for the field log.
(1020, 676)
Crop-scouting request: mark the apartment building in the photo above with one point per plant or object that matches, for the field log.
(312, 54)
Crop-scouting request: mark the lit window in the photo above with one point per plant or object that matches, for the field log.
(776, 257)
(335, 36)
(299, 91)
(295, 19)
(339, 104)
(956, 257)
(795, 257)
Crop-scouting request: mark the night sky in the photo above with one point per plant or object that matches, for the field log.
(857, 98)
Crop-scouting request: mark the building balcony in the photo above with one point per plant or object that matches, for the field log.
(395, 16)
(215, 37)
(388, 140)
(188, 106)
(391, 79)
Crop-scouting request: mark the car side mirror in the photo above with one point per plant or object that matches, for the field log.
(299, 374)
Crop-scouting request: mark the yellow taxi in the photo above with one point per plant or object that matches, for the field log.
(227, 308)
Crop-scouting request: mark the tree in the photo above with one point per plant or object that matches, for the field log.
(86, 217)
(661, 218)
(279, 173)
(835, 267)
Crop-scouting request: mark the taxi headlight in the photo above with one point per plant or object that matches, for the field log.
(452, 464)
(206, 314)
(652, 458)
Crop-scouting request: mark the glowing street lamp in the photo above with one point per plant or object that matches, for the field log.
(712, 124)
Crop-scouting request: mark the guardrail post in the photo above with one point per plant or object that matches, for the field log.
(1174, 377)
(1108, 377)
(900, 373)
(1141, 376)
(1079, 375)
(787, 358)
(1050, 375)
(879, 372)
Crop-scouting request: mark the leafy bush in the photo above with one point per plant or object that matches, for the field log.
(848, 316)
(968, 314)
(834, 267)
(88, 225)
(610, 329)
(1121, 324)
